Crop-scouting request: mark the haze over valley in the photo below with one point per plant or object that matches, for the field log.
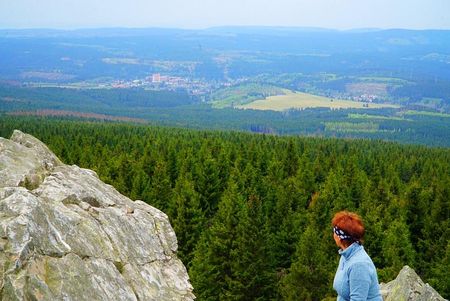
(204, 78)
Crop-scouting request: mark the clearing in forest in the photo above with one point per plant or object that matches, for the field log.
(300, 100)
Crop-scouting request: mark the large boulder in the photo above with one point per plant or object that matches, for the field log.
(66, 235)
(408, 287)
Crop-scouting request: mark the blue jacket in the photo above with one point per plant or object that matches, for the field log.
(356, 277)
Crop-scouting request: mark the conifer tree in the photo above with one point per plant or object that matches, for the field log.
(286, 221)
(440, 273)
(436, 225)
(211, 267)
(186, 217)
(310, 275)
(124, 174)
(251, 278)
(397, 250)
(140, 181)
(290, 160)
(305, 177)
(374, 230)
(208, 185)
(272, 182)
(172, 168)
(160, 191)
(332, 197)
(417, 206)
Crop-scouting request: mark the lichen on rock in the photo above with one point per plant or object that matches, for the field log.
(408, 287)
(66, 235)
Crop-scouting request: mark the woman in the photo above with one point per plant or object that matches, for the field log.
(356, 277)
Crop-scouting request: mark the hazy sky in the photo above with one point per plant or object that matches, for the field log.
(341, 14)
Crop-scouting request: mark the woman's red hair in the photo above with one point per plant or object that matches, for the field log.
(351, 223)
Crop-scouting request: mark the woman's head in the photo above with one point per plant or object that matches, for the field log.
(348, 228)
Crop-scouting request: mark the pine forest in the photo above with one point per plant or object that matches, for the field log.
(252, 212)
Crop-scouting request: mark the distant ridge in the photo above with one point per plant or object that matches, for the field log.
(265, 29)
(152, 31)
(88, 32)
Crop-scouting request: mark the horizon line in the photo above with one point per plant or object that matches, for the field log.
(281, 27)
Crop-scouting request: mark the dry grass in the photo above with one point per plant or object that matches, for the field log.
(300, 100)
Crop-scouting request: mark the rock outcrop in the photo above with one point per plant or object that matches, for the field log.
(66, 235)
(408, 287)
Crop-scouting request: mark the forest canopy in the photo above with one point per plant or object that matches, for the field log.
(252, 211)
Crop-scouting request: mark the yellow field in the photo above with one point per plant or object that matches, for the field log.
(299, 100)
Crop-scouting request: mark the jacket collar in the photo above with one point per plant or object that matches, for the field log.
(351, 250)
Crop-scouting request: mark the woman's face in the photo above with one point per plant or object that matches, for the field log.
(337, 240)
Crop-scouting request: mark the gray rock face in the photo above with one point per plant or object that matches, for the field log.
(408, 287)
(66, 235)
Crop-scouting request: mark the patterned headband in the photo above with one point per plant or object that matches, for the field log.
(342, 234)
